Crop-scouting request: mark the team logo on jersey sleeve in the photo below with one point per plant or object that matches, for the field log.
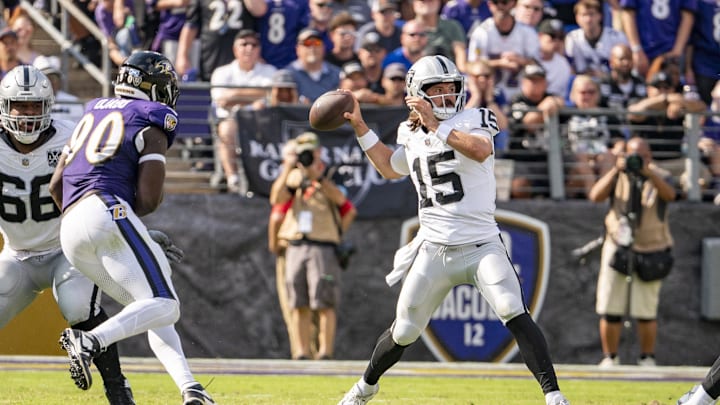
(53, 156)
(170, 122)
(464, 326)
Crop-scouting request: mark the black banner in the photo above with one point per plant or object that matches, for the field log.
(264, 132)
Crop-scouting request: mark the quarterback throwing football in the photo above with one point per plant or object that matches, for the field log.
(448, 152)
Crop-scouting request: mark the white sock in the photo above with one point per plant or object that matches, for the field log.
(365, 388)
(233, 179)
(700, 397)
(553, 397)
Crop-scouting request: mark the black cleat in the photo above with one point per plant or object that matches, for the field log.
(118, 392)
(81, 347)
(196, 395)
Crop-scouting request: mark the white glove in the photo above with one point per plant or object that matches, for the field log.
(172, 252)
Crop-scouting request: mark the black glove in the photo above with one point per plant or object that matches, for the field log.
(172, 252)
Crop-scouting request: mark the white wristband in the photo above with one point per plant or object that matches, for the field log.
(368, 140)
(443, 132)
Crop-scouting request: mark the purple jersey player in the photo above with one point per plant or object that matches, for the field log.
(279, 28)
(109, 175)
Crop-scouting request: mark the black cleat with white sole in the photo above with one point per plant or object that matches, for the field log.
(81, 348)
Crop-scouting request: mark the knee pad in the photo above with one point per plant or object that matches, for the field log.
(405, 332)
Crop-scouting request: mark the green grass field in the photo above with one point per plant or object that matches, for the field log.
(55, 387)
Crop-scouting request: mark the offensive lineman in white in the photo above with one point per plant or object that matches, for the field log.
(32, 260)
(449, 155)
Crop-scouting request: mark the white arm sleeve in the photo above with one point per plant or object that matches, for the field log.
(398, 161)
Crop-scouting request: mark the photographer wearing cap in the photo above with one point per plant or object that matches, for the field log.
(318, 214)
(637, 231)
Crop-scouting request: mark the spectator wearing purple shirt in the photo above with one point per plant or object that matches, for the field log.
(115, 18)
(652, 34)
(170, 16)
(279, 28)
(466, 12)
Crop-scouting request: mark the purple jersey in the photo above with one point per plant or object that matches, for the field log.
(171, 23)
(706, 39)
(279, 28)
(466, 14)
(658, 23)
(103, 149)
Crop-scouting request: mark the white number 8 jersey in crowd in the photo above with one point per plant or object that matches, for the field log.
(29, 218)
(456, 194)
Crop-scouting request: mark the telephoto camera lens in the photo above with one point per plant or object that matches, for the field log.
(306, 158)
(634, 164)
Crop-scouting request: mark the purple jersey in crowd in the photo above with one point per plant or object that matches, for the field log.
(465, 14)
(658, 23)
(171, 23)
(279, 28)
(103, 153)
(706, 53)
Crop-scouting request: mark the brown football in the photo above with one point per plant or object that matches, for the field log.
(327, 111)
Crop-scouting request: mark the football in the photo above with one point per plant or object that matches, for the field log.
(327, 111)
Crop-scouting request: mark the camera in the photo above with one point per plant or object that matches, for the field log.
(306, 158)
(633, 164)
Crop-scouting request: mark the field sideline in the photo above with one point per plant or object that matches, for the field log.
(44, 379)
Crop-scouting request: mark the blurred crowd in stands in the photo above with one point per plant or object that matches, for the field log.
(605, 70)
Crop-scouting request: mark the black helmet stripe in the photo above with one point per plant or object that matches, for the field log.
(442, 64)
(26, 78)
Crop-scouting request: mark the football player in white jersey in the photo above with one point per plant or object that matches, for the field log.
(448, 152)
(31, 260)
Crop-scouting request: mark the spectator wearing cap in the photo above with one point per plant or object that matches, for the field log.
(283, 91)
(358, 9)
(343, 31)
(551, 37)
(312, 74)
(413, 41)
(279, 27)
(664, 132)
(530, 12)
(527, 143)
(468, 13)
(446, 37)
(245, 70)
(393, 84)
(371, 56)
(588, 47)
(382, 30)
(506, 45)
(352, 77)
(8, 51)
(317, 215)
(66, 106)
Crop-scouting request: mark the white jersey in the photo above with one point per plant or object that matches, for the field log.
(29, 219)
(486, 42)
(456, 194)
(584, 57)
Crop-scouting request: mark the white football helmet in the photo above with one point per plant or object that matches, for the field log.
(431, 70)
(26, 83)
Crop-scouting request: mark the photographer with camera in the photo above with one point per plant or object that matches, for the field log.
(318, 214)
(636, 252)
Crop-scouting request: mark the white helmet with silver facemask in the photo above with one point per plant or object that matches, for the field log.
(26, 83)
(430, 70)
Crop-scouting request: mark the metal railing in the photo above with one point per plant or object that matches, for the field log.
(66, 8)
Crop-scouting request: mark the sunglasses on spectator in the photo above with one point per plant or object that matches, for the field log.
(502, 2)
(311, 42)
(416, 34)
(250, 44)
(557, 37)
(323, 5)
